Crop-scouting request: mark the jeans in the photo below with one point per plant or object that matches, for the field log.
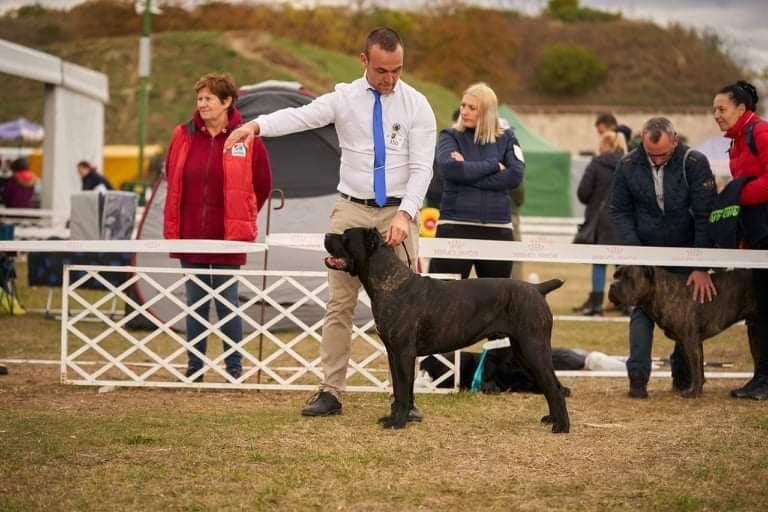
(233, 328)
(640, 343)
(598, 277)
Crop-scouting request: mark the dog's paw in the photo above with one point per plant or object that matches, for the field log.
(558, 427)
(392, 422)
(691, 393)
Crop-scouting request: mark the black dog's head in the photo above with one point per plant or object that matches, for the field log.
(350, 251)
(631, 284)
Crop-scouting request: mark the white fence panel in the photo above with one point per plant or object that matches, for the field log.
(140, 349)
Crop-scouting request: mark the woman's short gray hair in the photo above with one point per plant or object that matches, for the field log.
(655, 126)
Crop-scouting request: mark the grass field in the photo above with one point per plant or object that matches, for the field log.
(73, 448)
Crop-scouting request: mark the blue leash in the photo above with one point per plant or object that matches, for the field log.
(477, 379)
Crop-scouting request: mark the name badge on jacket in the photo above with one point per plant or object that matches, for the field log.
(239, 150)
(395, 137)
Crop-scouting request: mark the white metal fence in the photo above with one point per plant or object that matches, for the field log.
(140, 349)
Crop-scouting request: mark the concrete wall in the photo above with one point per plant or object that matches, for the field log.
(73, 118)
(74, 131)
(575, 131)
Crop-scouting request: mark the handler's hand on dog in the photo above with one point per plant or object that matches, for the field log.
(703, 287)
(398, 229)
(244, 133)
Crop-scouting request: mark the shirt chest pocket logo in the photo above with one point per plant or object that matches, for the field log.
(395, 136)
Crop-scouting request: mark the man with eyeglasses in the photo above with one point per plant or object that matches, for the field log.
(662, 195)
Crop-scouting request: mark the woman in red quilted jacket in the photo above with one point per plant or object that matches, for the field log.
(215, 196)
(734, 111)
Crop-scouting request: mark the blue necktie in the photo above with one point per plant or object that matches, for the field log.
(379, 152)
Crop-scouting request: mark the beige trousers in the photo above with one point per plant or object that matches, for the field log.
(343, 288)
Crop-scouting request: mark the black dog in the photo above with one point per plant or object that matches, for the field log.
(665, 298)
(418, 315)
(501, 371)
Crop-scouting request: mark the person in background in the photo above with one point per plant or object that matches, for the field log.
(480, 164)
(215, 196)
(386, 131)
(662, 196)
(606, 122)
(593, 191)
(734, 109)
(20, 187)
(92, 180)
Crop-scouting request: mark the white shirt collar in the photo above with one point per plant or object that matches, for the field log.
(365, 84)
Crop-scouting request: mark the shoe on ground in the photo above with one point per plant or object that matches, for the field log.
(322, 404)
(580, 307)
(756, 389)
(592, 310)
(191, 371)
(638, 387)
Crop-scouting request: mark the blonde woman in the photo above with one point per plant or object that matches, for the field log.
(593, 191)
(480, 163)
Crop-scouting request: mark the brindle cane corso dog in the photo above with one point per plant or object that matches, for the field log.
(666, 298)
(418, 315)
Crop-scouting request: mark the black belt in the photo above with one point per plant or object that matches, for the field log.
(391, 201)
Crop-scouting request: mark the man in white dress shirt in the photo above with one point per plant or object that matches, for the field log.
(409, 136)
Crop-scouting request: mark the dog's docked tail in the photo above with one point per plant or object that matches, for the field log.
(547, 286)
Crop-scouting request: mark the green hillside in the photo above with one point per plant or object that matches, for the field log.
(568, 56)
(179, 58)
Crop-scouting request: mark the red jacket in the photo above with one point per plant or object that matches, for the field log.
(205, 202)
(745, 163)
(20, 190)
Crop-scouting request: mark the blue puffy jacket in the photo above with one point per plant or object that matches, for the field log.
(476, 189)
(687, 201)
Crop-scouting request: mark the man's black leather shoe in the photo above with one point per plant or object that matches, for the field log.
(191, 371)
(322, 404)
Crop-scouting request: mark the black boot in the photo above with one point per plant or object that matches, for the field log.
(594, 305)
(583, 306)
(637, 386)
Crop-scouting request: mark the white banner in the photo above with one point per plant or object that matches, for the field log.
(452, 248)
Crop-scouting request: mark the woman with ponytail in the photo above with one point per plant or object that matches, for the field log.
(734, 110)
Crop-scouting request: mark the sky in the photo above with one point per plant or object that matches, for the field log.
(736, 22)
